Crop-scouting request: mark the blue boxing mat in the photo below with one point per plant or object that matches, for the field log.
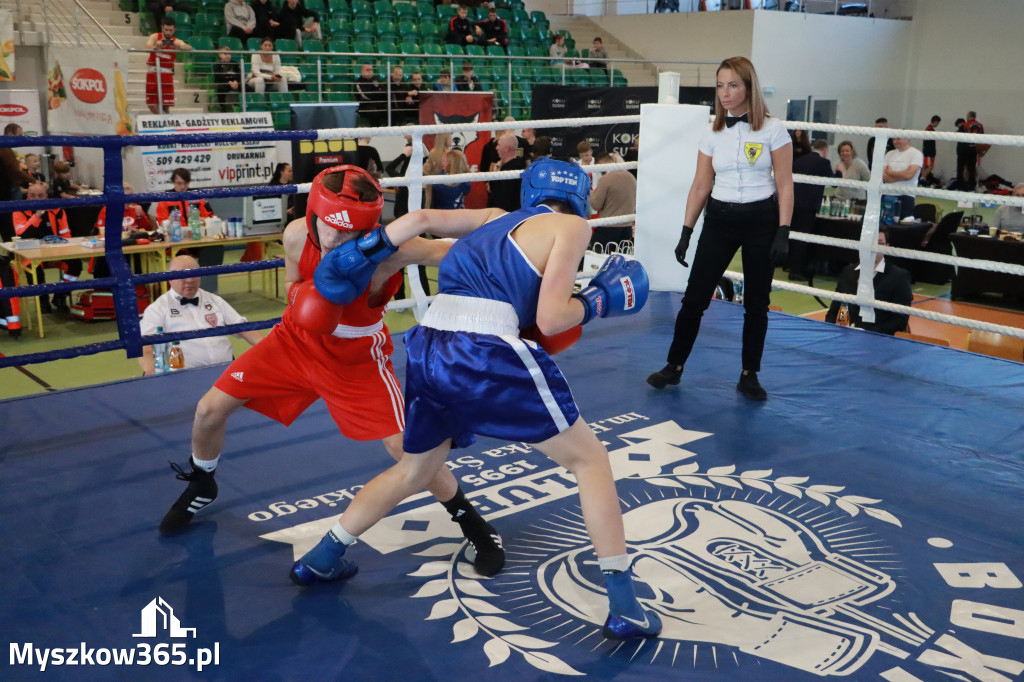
(865, 523)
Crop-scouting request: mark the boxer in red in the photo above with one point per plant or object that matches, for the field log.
(320, 350)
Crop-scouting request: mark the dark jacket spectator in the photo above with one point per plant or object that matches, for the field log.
(467, 81)
(495, 30)
(292, 17)
(461, 30)
(266, 18)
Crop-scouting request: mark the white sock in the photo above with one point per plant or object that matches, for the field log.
(614, 564)
(207, 465)
(343, 536)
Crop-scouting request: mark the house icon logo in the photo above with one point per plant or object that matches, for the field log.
(158, 615)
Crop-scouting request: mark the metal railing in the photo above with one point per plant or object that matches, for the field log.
(71, 23)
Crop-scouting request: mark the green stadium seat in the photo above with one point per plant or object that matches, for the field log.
(619, 80)
(338, 45)
(505, 14)
(410, 48)
(339, 26)
(387, 46)
(307, 96)
(408, 29)
(445, 12)
(364, 25)
(252, 44)
(386, 27)
(232, 43)
(496, 50)
(405, 10)
(338, 8)
(475, 50)
(362, 9)
(537, 15)
(432, 49)
(313, 45)
(520, 16)
(454, 50)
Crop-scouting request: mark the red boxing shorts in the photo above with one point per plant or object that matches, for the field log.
(166, 91)
(288, 370)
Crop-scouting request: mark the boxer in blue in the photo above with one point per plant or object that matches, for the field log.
(470, 372)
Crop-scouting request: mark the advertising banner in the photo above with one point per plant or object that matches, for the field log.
(22, 107)
(556, 101)
(439, 108)
(6, 46)
(309, 157)
(212, 165)
(86, 94)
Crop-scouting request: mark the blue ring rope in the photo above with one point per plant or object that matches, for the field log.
(122, 281)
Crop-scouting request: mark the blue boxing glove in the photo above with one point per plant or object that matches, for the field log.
(620, 287)
(345, 272)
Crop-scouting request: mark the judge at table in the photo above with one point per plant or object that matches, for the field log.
(892, 285)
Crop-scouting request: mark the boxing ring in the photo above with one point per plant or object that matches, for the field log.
(862, 523)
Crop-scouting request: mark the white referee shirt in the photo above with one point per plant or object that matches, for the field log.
(742, 160)
(212, 311)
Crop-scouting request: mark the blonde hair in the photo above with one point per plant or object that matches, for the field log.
(433, 164)
(457, 163)
(757, 110)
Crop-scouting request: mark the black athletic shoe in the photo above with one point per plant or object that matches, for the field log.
(44, 305)
(750, 387)
(60, 303)
(201, 491)
(485, 550)
(667, 375)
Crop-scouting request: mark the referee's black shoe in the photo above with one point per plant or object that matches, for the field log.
(667, 375)
(201, 491)
(750, 387)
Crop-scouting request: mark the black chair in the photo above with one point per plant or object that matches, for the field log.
(926, 212)
(937, 241)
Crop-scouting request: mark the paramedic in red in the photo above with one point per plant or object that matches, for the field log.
(52, 222)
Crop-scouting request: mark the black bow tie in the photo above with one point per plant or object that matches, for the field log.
(730, 121)
(190, 301)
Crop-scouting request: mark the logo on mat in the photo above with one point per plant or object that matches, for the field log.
(753, 151)
(158, 616)
(339, 219)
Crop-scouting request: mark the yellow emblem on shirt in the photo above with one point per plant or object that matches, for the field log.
(753, 151)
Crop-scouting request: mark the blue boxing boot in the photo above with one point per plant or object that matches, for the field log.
(324, 562)
(627, 619)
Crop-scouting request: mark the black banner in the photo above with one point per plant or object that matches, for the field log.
(558, 101)
(309, 157)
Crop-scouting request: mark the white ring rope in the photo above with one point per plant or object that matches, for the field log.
(891, 307)
(886, 188)
(336, 133)
(1007, 140)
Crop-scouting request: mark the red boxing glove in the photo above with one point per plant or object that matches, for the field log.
(555, 343)
(311, 311)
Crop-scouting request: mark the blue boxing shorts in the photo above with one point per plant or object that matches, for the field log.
(461, 383)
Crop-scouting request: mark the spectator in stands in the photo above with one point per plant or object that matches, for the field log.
(297, 22)
(160, 8)
(892, 285)
(557, 50)
(227, 76)
(370, 94)
(47, 222)
(266, 69)
(266, 17)
(541, 148)
(615, 195)
(1011, 218)
(494, 30)
(240, 20)
(584, 154)
(880, 122)
(851, 168)
(903, 167)
(460, 30)
(397, 169)
(504, 194)
(467, 81)
(181, 179)
(62, 187)
(33, 167)
(411, 101)
(160, 65)
(928, 150)
(12, 178)
(397, 88)
(528, 137)
(186, 307)
(444, 82)
(449, 196)
(489, 154)
(598, 55)
(806, 202)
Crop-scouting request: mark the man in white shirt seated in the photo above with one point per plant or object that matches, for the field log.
(903, 167)
(186, 307)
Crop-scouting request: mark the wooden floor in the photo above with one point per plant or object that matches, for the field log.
(958, 336)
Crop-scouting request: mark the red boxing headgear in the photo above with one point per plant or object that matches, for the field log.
(343, 209)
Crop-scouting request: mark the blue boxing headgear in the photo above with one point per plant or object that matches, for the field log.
(549, 179)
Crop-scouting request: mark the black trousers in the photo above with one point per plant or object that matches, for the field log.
(967, 170)
(728, 227)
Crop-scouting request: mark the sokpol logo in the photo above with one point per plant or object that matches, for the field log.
(743, 567)
(89, 85)
(13, 110)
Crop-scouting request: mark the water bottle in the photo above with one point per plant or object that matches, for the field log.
(824, 206)
(846, 209)
(176, 225)
(737, 296)
(176, 358)
(160, 355)
(843, 319)
(193, 222)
